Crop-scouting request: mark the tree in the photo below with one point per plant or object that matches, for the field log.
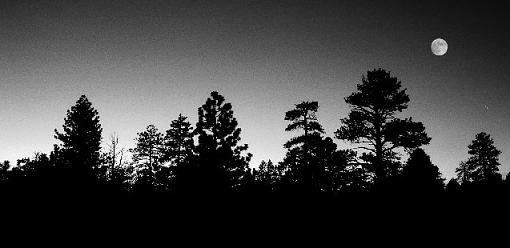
(312, 162)
(178, 145)
(147, 155)
(4, 171)
(35, 166)
(115, 154)
(81, 138)
(268, 175)
(463, 173)
(116, 171)
(373, 124)
(220, 160)
(343, 173)
(482, 166)
(303, 116)
(178, 142)
(35, 174)
(420, 176)
(148, 150)
(302, 167)
(453, 187)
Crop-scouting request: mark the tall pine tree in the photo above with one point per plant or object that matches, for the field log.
(147, 156)
(220, 165)
(299, 168)
(311, 160)
(267, 176)
(373, 123)
(420, 176)
(482, 166)
(178, 142)
(81, 138)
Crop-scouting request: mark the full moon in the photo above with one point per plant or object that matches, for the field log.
(439, 47)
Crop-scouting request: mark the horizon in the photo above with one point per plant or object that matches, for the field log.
(142, 63)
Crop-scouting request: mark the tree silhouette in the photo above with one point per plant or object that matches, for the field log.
(171, 163)
(343, 173)
(178, 142)
(81, 139)
(147, 156)
(312, 162)
(117, 174)
(303, 116)
(148, 150)
(115, 155)
(420, 176)
(373, 124)
(4, 171)
(220, 165)
(268, 176)
(452, 187)
(33, 166)
(300, 169)
(482, 166)
(34, 174)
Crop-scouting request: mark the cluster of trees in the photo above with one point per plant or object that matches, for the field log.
(208, 159)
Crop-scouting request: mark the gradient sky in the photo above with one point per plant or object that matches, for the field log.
(142, 62)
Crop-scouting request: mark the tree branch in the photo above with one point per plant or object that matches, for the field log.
(363, 147)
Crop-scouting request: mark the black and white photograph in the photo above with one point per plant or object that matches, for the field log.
(313, 106)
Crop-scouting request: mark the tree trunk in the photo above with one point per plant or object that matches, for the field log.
(378, 163)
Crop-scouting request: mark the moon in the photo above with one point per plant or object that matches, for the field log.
(439, 47)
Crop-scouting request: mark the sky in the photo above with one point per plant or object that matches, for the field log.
(144, 62)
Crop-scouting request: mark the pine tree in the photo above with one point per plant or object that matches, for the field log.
(482, 166)
(147, 156)
(453, 187)
(300, 170)
(372, 122)
(81, 138)
(221, 163)
(303, 117)
(4, 171)
(420, 175)
(311, 159)
(343, 173)
(178, 142)
(268, 175)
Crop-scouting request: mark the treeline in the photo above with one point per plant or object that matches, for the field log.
(208, 159)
